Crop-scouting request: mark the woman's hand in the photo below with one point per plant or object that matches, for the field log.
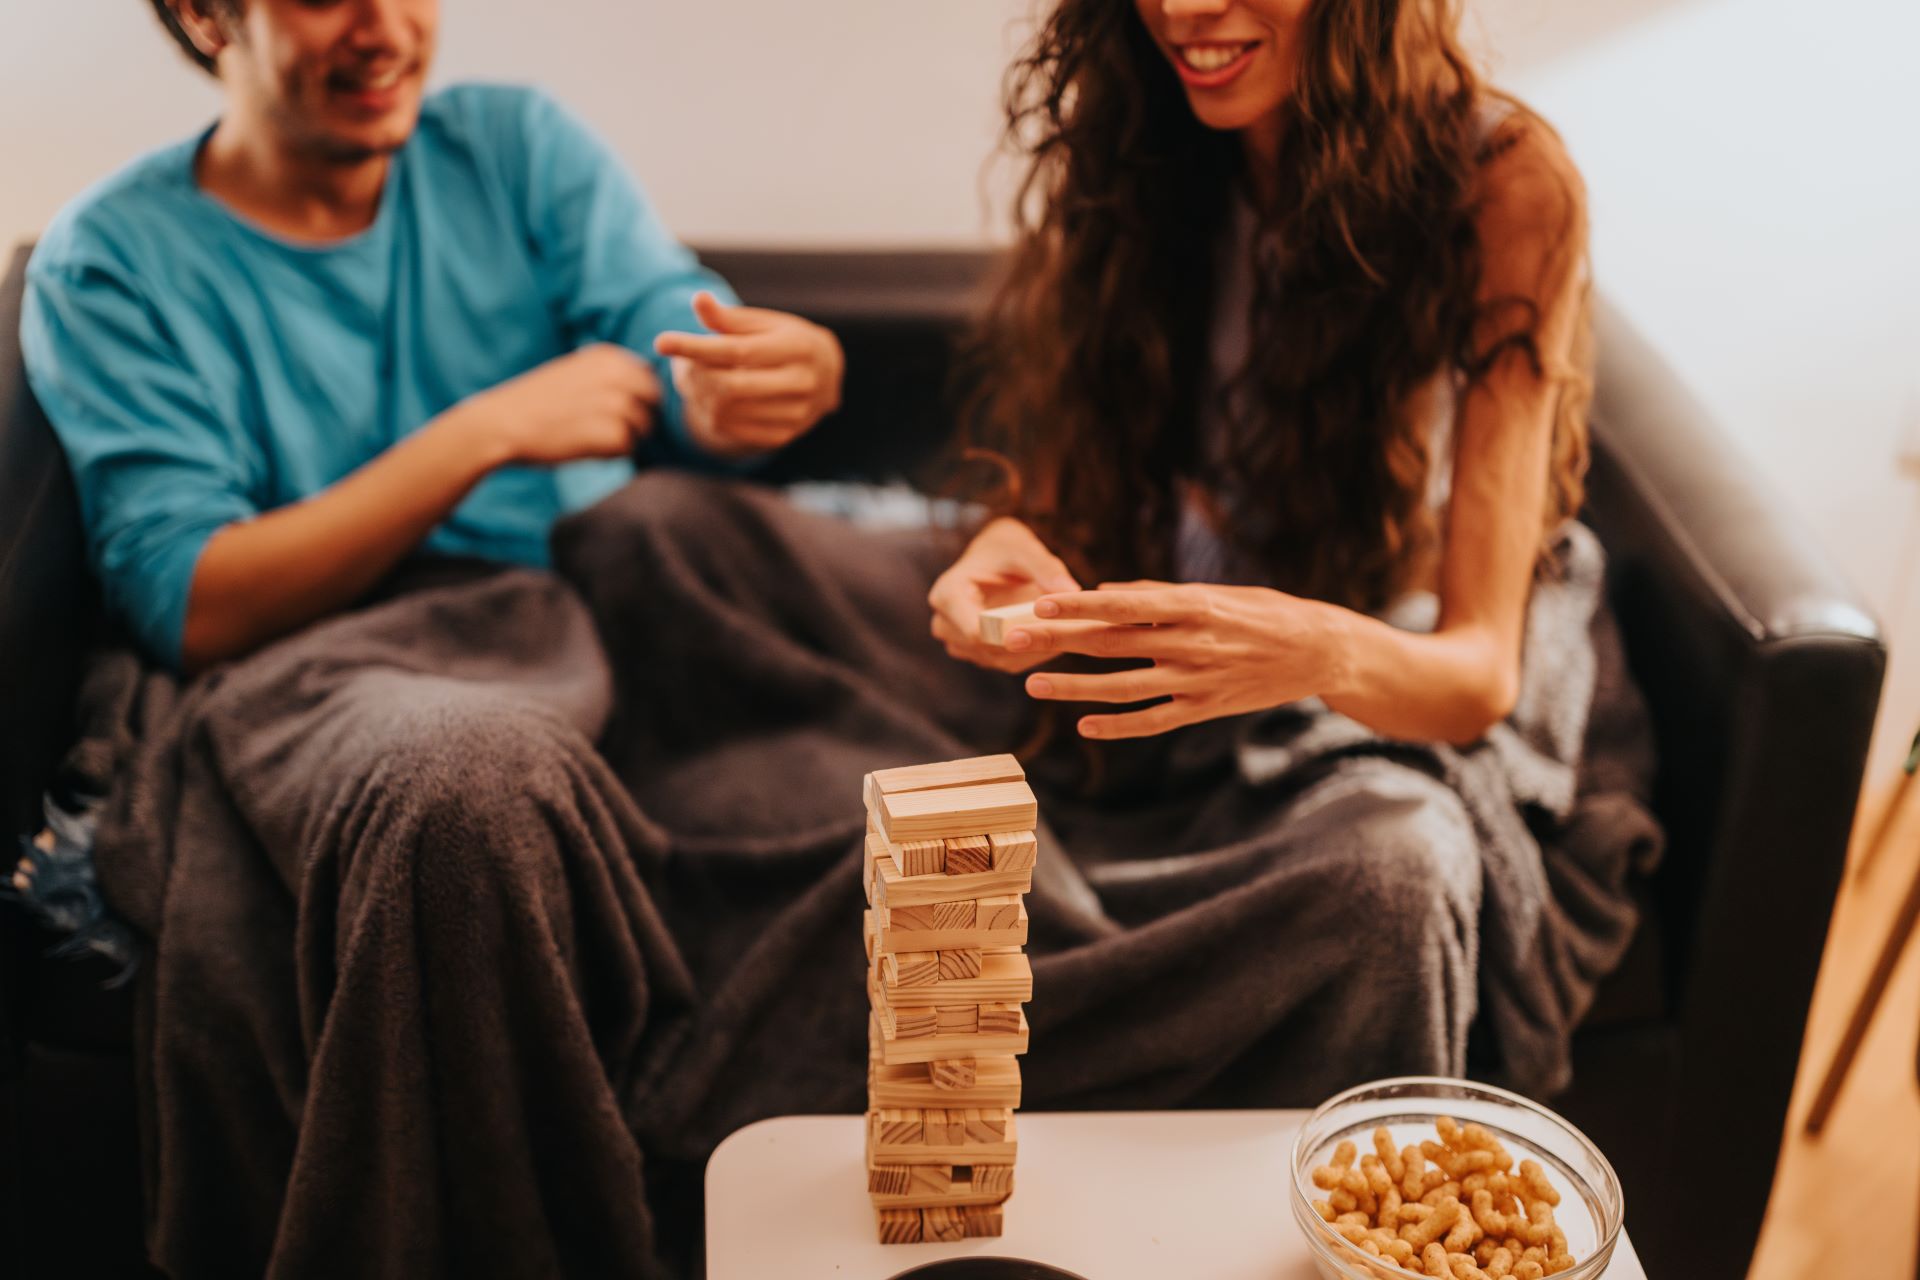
(1215, 651)
(1006, 563)
(757, 382)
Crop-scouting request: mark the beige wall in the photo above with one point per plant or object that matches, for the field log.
(1752, 165)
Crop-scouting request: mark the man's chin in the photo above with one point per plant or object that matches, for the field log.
(363, 142)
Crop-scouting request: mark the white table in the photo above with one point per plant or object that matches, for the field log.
(1110, 1195)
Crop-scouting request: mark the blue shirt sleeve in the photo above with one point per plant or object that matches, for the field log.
(616, 273)
(157, 472)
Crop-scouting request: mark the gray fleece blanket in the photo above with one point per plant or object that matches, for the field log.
(481, 913)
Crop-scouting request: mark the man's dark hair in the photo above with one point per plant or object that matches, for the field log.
(171, 21)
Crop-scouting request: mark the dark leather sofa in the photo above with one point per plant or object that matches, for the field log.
(1762, 668)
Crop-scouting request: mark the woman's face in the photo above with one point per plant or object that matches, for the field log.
(1236, 58)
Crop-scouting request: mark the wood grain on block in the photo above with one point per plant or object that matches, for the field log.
(1013, 850)
(985, 1124)
(975, 938)
(960, 1195)
(998, 1019)
(921, 857)
(946, 773)
(1002, 912)
(902, 1125)
(985, 1222)
(930, 1177)
(1006, 977)
(936, 1046)
(943, 1225)
(957, 1018)
(959, 962)
(909, 969)
(958, 811)
(995, 1083)
(899, 1226)
(937, 1130)
(918, 917)
(969, 855)
(908, 1023)
(993, 1178)
(957, 1076)
(974, 1154)
(995, 623)
(893, 889)
(891, 1180)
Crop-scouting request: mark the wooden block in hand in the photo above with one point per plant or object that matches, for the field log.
(969, 855)
(997, 913)
(943, 1226)
(958, 811)
(910, 968)
(995, 623)
(953, 1073)
(957, 1019)
(898, 1125)
(961, 963)
(985, 1124)
(1013, 850)
(998, 1019)
(899, 1226)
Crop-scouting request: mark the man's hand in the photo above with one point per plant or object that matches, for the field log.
(758, 381)
(1006, 563)
(596, 402)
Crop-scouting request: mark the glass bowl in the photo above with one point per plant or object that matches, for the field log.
(1591, 1206)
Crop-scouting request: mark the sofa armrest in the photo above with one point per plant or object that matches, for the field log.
(1762, 669)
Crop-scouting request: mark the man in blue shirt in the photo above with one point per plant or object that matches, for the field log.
(351, 320)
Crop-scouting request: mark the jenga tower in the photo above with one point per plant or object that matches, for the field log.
(950, 854)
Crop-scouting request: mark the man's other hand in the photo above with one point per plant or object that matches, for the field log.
(596, 402)
(758, 381)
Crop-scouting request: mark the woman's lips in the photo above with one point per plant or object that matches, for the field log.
(1212, 64)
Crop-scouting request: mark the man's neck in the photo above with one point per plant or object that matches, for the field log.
(250, 168)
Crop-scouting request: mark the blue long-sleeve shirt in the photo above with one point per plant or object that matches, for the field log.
(200, 370)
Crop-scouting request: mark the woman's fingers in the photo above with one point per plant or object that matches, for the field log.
(1144, 723)
(1161, 604)
(1114, 686)
(1095, 639)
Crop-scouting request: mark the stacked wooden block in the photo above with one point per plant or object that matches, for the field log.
(950, 854)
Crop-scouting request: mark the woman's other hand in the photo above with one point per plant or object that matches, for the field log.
(1214, 651)
(1006, 563)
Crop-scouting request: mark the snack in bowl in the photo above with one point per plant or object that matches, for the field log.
(1426, 1176)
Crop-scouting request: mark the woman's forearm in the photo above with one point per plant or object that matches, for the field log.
(1451, 685)
(260, 578)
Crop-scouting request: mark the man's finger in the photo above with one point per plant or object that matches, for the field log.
(779, 382)
(722, 351)
(721, 318)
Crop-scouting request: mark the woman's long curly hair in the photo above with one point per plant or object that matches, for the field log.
(1091, 369)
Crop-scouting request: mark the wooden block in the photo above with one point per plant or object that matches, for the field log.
(902, 1126)
(995, 623)
(899, 1226)
(946, 1155)
(984, 1220)
(1006, 977)
(959, 1195)
(909, 969)
(997, 1019)
(893, 889)
(939, 1132)
(1001, 912)
(984, 1124)
(955, 1019)
(930, 1179)
(995, 1082)
(993, 1177)
(954, 1074)
(958, 811)
(946, 773)
(912, 1022)
(1013, 850)
(920, 857)
(943, 1225)
(959, 962)
(971, 938)
(968, 855)
(891, 1179)
(894, 1050)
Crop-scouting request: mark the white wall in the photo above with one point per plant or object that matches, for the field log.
(1754, 172)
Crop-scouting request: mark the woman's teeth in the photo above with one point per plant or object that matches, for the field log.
(1210, 57)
